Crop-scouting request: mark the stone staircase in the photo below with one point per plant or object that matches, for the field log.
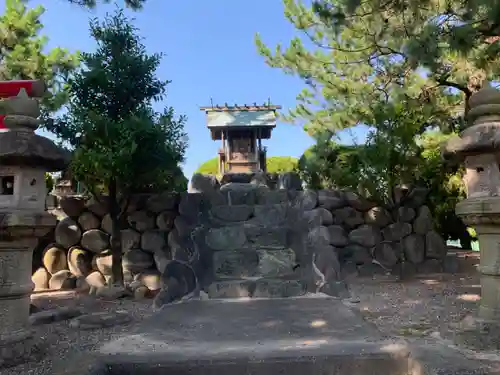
(256, 273)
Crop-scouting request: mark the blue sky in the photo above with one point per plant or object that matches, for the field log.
(209, 53)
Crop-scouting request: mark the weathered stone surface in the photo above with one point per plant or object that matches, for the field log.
(387, 254)
(153, 241)
(62, 280)
(95, 240)
(165, 220)
(371, 269)
(435, 246)
(319, 216)
(378, 216)
(202, 183)
(130, 239)
(337, 235)
(232, 289)
(88, 221)
(226, 238)
(112, 292)
(81, 285)
(67, 233)
(319, 236)
(232, 213)
(178, 280)
(417, 197)
(141, 292)
(137, 260)
(331, 199)
(308, 199)
(431, 266)
(183, 226)
(238, 193)
(72, 206)
(236, 264)
(326, 268)
(258, 235)
(141, 221)
(190, 205)
(54, 259)
(161, 260)
(95, 280)
(273, 263)
(348, 216)
(272, 214)
(265, 196)
(150, 279)
(359, 254)
(396, 231)
(162, 202)
(289, 181)
(365, 235)
(278, 288)
(103, 262)
(357, 202)
(54, 315)
(100, 320)
(406, 214)
(424, 222)
(41, 279)
(99, 207)
(79, 261)
(107, 224)
(414, 248)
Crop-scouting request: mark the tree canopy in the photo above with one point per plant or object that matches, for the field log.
(132, 4)
(24, 53)
(275, 164)
(121, 144)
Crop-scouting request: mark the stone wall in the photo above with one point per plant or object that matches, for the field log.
(370, 239)
(239, 240)
(79, 256)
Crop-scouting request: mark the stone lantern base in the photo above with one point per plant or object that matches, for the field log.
(483, 330)
(18, 237)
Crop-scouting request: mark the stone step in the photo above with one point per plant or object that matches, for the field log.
(259, 288)
(254, 263)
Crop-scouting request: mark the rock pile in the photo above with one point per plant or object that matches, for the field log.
(370, 239)
(80, 256)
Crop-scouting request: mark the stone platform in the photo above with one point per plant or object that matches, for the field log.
(306, 335)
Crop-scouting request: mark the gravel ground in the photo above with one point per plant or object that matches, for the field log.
(415, 308)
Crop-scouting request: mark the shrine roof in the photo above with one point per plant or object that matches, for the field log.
(241, 116)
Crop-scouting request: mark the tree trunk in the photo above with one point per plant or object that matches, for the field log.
(116, 246)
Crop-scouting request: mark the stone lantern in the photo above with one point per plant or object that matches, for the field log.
(24, 159)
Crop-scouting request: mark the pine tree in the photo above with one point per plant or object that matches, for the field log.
(23, 52)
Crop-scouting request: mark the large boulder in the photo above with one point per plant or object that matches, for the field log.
(435, 246)
(202, 183)
(67, 233)
(137, 260)
(153, 241)
(414, 248)
(378, 216)
(107, 224)
(406, 214)
(150, 279)
(79, 261)
(226, 238)
(337, 235)
(141, 221)
(396, 231)
(41, 279)
(348, 216)
(289, 181)
(72, 206)
(162, 202)
(331, 199)
(103, 263)
(165, 220)
(423, 222)
(62, 280)
(88, 221)
(95, 240)
(54, 259)
(319, 216)
(365, 235)
(130, 239)
(99, 207)
(308, 199)
(357, 202)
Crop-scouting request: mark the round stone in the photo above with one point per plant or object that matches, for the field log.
(54, 259)
(95, 240)
(67, 233)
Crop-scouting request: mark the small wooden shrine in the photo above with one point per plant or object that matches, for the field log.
(241, 129)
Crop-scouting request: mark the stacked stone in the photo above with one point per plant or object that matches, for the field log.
(368, 239)
(80, 256)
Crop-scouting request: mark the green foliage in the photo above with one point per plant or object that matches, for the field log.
(25, 56)
(274, 164)
(49, 182)
(132, 4)
(121, 145)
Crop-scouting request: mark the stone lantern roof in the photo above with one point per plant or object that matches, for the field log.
(482, 134)
(19, 145)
